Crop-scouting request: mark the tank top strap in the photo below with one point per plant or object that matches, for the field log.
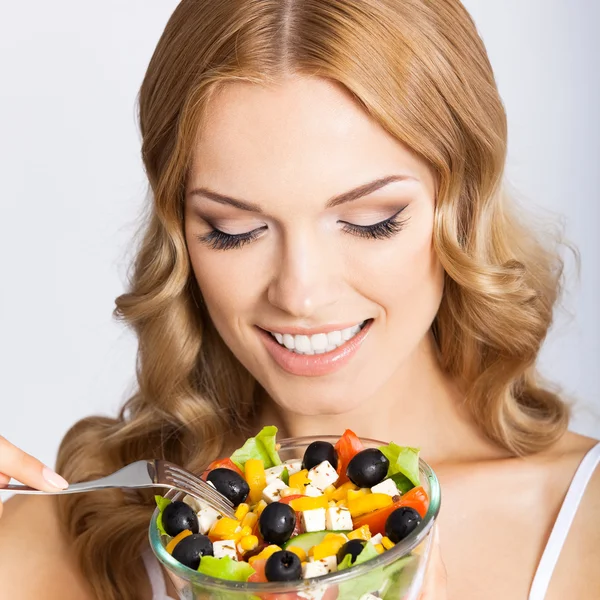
(155, 575)
(562, 525)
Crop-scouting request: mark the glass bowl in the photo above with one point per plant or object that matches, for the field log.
(396, 574)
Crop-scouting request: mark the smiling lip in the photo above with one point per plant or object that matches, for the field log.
(311, 330)
(314, 365)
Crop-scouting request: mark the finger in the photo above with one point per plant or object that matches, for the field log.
(3, 479)
(27, 469)
(434, 587)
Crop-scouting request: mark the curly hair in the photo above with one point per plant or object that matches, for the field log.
(420, 69)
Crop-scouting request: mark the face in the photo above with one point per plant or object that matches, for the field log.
(322, 285)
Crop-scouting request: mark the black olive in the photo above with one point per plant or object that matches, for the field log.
(283, 566)
(177, 517)
(317, 452)
(191, 548)
(229, 483)
(368, 468)
(353, 547)
(401, 523)
(277, 522)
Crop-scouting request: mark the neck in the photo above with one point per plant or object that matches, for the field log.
(418, 406)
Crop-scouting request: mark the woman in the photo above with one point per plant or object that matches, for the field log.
(321, 166)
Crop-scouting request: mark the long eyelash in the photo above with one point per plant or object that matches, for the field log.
(378, 231)
(218, 240)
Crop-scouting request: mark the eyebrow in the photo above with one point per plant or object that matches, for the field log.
(349, 196)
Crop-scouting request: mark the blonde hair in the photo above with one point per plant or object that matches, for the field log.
(420, 69)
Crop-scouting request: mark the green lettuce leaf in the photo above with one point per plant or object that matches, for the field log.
(404, 460)
(162, 503)
(262, 446)
(368, 583)
(225, 568)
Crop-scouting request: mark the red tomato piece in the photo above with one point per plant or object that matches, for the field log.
(417, 498)
(259, 575)
(221, 463)
(347, 447)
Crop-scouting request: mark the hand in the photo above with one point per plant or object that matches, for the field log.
(26, 469)
(434, 587)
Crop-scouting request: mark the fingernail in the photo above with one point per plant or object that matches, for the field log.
(54, 479)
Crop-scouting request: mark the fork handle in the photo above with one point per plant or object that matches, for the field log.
(75, 488)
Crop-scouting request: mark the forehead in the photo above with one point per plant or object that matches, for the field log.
(303, 133)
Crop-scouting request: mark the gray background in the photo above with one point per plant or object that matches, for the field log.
(72, 188)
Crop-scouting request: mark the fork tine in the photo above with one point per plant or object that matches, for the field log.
(199, 488)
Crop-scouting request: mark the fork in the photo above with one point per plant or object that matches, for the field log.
(145, 474)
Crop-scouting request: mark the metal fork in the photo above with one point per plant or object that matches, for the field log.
(145, 474)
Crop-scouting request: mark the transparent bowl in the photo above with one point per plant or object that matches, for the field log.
(396, 574)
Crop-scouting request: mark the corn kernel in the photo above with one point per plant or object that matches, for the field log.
(260, 507)
(387, 543)
(368, 503)
(299, 552)
(250, 520)
(248, 542)
(241, 511)
(171, 545)
(362, 533)
(380, 549)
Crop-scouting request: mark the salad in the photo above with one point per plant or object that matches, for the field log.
(338, 506)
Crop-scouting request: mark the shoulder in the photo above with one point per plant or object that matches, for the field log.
(577, 573)
(35, 560)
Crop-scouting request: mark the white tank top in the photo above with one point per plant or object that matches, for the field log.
(542, 577)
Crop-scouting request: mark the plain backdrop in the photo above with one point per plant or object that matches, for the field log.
(72, 188)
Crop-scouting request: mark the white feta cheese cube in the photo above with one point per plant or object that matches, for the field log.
(338, 518)
(316, 593)
(312, 491)
(273, 473)
(207, 517)
(376, 539)
(323, 475)
(192, 502)
(314, 519)
(272, 493)
(330, 563)
(314, 569)
(223, 548)
(294, 465)
(369, 597)
(387, 486)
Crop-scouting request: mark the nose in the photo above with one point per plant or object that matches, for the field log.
(308, 277)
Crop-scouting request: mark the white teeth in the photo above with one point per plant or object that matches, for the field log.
(318, 343)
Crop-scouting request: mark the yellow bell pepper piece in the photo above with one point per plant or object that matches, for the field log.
(353, 494)
(265, 553)
(299, 552)
(387, 543)
(308, 503)
(248, 542)
(341, 492)
(225, 529)
(299, 480)
(368, 503)
(362, 533)
(329, 492)
(171, 545)
(328, 547)
(256, 478)
(241, 511)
